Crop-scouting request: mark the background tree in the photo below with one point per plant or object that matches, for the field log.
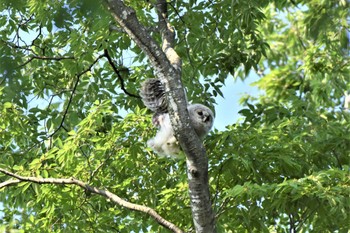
(69, 79)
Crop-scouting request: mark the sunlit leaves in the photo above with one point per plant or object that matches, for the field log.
(313, 62)
(231, 36)
(63, 114)
(262, 163)
(318, 192)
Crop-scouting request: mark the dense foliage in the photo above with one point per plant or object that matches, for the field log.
(69, 107)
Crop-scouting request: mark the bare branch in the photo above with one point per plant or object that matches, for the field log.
(187, 47)
(116, 29)
(103, 192)
(52, 58)
(72, 94)
(94, 172)
(120, 78)
(12, 45)
(168, 34)
(9, 183)
(126, 17)
(39, 34)
(44, 58)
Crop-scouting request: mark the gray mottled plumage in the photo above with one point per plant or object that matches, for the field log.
(153, 95)
(164, 143)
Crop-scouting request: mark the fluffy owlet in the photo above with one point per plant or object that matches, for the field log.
(164, 143)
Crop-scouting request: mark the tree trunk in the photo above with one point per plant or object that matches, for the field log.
(167, 66)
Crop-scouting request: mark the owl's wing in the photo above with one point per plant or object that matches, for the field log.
(153, 96)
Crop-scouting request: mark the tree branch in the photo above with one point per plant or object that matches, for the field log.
(168, 34)
(120, 78)
(9, 183)
(73, 92)
(102, 192)
(44, 58)
(197, 161)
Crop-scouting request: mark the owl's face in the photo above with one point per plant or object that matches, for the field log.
(202, 118)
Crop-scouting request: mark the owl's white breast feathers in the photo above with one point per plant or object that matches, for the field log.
(164, 143)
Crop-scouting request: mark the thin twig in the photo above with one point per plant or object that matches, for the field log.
(120, 78)
(94, 172)
(44, 58)
(73, 92)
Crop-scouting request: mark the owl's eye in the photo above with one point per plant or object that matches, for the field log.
(200, 113)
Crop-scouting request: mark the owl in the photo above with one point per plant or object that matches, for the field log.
(164, 143)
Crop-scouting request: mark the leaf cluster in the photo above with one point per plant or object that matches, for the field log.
(66, 74)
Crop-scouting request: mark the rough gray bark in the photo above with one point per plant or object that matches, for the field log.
(167, 65)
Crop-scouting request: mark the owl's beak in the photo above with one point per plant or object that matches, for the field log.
(206, 118)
